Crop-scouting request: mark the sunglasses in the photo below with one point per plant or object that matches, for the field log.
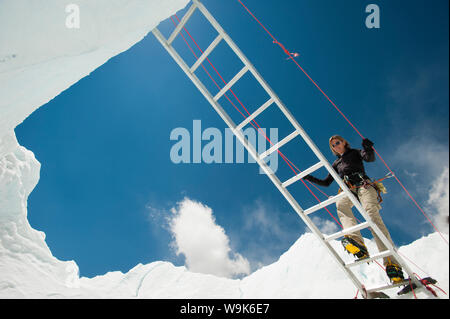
(336, 144)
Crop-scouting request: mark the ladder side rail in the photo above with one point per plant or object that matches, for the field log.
(278, 101)
(252, 151)
(226, 118)
(349, 193)
(305, 137)
(273, 95)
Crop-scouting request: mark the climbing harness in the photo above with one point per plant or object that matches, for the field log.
(363, 181)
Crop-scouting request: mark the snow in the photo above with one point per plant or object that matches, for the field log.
(43, 58)
(37, 47)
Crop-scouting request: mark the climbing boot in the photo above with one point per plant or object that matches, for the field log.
(395, 273)
(353, 247)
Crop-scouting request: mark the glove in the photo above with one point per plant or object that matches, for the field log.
(367, 144)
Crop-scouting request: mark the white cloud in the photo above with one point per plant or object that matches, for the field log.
(438, 201)
(204, 244)
(423, 157)
(424, 161)
(325, 226)
(418, 109)
(267, 231)
(257, 217)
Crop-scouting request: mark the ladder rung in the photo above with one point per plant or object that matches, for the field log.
(182, 23)
(279, 144)
(325, 203)
(231, 83)
(255, 114)
(347, 230)
(207, 52)
(374, 257)
(302, 174)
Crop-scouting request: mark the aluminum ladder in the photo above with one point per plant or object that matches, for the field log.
(299, 131)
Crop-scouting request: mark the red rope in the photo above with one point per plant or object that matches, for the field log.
(426, 283)
(342, 114)
(442, 290)
(289, 54)
(412, 288)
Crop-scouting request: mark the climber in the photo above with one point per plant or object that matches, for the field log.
(349, 165)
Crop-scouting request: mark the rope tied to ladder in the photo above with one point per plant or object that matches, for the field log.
(290, 55)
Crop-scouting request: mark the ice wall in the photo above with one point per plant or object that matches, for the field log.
(41, 56)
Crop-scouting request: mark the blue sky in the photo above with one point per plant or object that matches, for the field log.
(107, 181)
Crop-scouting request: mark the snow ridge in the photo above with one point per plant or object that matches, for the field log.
(30, 62)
